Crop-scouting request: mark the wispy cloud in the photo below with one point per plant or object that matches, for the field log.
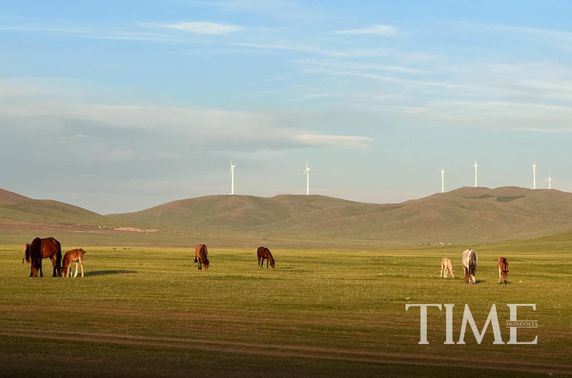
(334, 140)
(373, 29)
(314, 50)
(202, 27)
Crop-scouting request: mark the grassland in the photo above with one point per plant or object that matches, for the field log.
(322, 312)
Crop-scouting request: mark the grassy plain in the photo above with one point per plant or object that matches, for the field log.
(147, 311)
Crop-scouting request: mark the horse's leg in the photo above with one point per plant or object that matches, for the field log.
(41, 272)
(76, 269)
(81, 266)
(452, 275)
(54, 266)
(466, 274)
(267, 261)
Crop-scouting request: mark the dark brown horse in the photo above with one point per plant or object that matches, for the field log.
(39, 249)
(502, 263)
(264, 253)
(201, 256)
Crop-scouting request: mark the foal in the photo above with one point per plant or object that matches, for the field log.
(503, 269)
(446, 267)
(73, 256)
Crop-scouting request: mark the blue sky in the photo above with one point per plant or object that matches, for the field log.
(117, 106)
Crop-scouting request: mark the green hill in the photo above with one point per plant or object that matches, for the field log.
(465, 215)
(462, 215)
(17, 208)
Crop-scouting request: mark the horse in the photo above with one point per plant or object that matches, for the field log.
(503, 269)
(446, 267)
(73, 256)
(201, 256)
(469, 262)
(42, 248)
(264, 253)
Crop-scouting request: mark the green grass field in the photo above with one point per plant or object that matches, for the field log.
(149, 312)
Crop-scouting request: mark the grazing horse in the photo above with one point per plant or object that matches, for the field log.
(264, 253)
(201, 256)
(446, 267)
(503, 269)
(469, 261)
(73, 256)
(42, 248)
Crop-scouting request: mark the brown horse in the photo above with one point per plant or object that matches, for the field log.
(503, 269)
(264, 253)
(39, 249)
(73, 256)
(201, 256)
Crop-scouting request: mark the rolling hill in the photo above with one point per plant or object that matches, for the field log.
(17, 208)
(465, 215)
(462, 215)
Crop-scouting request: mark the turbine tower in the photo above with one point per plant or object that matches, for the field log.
(307, 172)
(533, 175)
(232, 166)
(442, 181)
(476, 174)
(549, 181)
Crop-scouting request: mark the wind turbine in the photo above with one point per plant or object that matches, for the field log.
(549, 181)
(442, 181)
(476, 174)
(232, 166)
(307, 172)
(533, 175)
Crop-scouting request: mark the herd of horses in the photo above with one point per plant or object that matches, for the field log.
(50, 248)
(469, 262)
(39, 249)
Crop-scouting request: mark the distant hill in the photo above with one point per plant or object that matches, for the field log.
(465, 215)
(17, 208)
(462, 215)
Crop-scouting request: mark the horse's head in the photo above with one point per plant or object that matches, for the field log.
(26, 256)
(272, 263)
(206, 263)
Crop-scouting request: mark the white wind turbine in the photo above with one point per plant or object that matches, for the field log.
(307, 172)
(549, 181)
(533, 175)
(232, 166)
(476, 174)
(442, 181)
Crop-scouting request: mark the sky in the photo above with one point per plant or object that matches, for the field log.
(117, 106)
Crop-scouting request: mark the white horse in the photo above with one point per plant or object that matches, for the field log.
(73, 256)
(446, 267)
(469, 262)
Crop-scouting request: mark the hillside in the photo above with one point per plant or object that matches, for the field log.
(465, 215)
(462, 215)
(17, 208)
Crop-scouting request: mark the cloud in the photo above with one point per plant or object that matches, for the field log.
(334, 140)
(206, 28)
(370, 30)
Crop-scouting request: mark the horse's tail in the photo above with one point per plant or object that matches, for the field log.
(26, 253)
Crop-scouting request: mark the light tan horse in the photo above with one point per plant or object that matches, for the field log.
(73, 256)
(446, 267)
(503, 269)
(469, 261)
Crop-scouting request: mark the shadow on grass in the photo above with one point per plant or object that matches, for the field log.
(109, 272)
